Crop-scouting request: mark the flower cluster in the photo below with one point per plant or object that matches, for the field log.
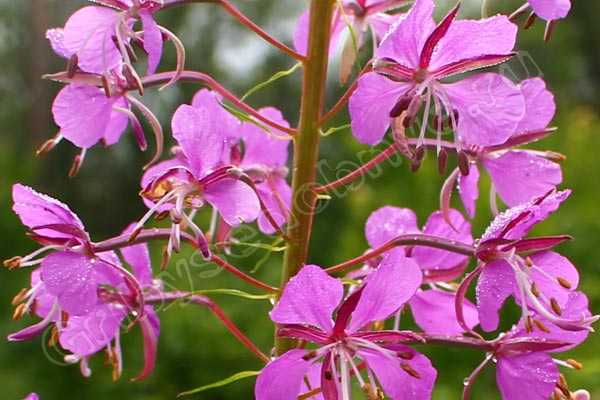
(342, 327)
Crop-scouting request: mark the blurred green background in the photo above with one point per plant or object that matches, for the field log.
(194, 349)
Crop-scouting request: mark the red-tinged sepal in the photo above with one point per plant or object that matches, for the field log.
(150, 326)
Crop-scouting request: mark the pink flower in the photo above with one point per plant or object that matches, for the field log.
(541, 283)
(201, 172)
(413, 60)
(517, 175)
(360, 15)
(305, 311)
(98, 38)
(433, 309)
(550, 9)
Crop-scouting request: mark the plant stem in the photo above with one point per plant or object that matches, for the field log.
(306, 145)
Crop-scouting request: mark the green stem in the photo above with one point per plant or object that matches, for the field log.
(306, 145)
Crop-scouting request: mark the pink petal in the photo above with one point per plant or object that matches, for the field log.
(43, 299)
(519, 176)
(153, 41)
(282, 378)
(468, 189)
(406, 38)
(89, 34)
(396, 382)
(88, 334)
(309, 298)
(539, 106)
(32, 396)
(526, 377)
(37, 209)
(196, 130)
(117, 124)
(389, 222)
(473, 38)
(83, 114)
(386, 289)
(370, 106)
(300, 38)
(70, 277)
(381, 24)
(434, 312)
(496, 283)
(138, 257)
(265, 148)
(551, 9)
(429, 258)
(548, 267)
(236, 201)
(56, 37)
(489, 106)
(271, 192)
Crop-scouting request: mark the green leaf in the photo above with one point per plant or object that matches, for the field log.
(334, 130)
(226, 381)
(242, 116)
(275, 77)
(236, 293)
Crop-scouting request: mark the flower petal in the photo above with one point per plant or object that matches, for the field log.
(386, 289)
(265, 148)
(277, 196)
(150, 326)
(153, 40)
(88, 334)
(370, 106)
(282, 378)
(551, 9)
(436, 259)
(526, 376)
(89, 124)
(396, 382)
(539, 106)
(489, 107)
(406, 37)
(56, 37)
(236, 201)
(36, 209)
(468, 189)
(496, 283)
(434, 312)
(519, 176)
(117, 123)
(138, 257)
(89, 34)
(472, 38)
(548, 267)
(309, 298)
(388, 222)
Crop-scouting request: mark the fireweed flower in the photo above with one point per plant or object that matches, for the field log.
(541, 283)
(32, 396)
(264, 160)
(524, 368)
(411, 64)
(433, 309)
(549, 10)
(305, 312)
(98, 39)
(517, 175)
(360, 16)
(71, 271)
(200, 173)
